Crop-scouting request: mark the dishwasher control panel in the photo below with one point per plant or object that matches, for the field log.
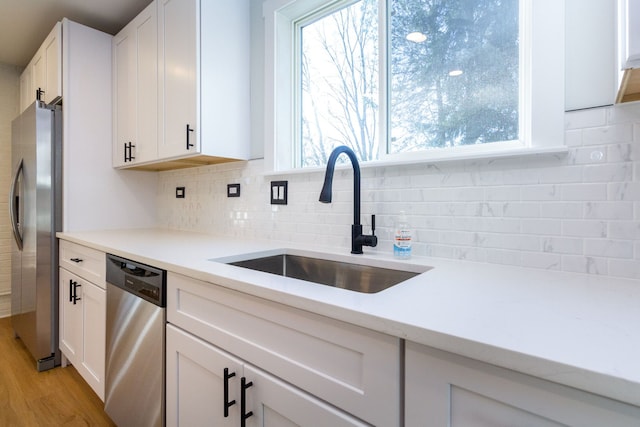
(140, 279)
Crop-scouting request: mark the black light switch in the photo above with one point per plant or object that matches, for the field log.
(279, 192)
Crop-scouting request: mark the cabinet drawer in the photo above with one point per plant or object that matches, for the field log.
(87, 263)
(353, 368)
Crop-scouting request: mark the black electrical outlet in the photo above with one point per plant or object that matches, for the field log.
(279, 192)
(180, 192)
(233, 190)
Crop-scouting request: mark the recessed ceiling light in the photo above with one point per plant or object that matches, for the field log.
(416, 37)
(455, 73)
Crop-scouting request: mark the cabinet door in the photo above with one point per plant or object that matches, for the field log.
(135, 90)
(27, 93)
(195, 382)
(447, 390)
(52, 48)
(178, 32)
(93, 337)
(46, 71)
(274, 403)
(39, 74)
(70, 328)
(146, 84)
(124, 96)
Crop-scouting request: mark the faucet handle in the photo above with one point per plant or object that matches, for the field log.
(373, 225)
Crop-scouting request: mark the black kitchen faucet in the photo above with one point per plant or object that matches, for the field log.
(358, 240)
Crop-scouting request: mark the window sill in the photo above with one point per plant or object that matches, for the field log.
(440, 157)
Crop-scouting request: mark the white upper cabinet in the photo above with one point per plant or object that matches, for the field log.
(629, 33)
(43, 74)
(200, 97)
(204, 56)
(590, 37)
(179, 77)
(628, 51)
(135, 80)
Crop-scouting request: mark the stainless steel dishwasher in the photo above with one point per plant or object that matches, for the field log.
(134, 380)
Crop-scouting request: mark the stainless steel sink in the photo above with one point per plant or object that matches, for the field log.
(331, 272)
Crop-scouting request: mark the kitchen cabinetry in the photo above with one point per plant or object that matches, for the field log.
(83, 311)
(443, 389)
(303, 368)
(590, 35)
(203, 85)
(43, 74)
(135, 80)
(200, 374)
(628, 51)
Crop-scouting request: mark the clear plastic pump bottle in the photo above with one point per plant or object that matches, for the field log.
(402, 238)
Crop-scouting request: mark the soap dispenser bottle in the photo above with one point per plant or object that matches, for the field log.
(402, 238)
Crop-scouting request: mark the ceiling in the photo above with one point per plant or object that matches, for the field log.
(24, 24)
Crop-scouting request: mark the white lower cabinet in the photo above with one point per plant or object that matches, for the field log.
(304, 369)
(446, 390)
(83, 312)
(196, 375)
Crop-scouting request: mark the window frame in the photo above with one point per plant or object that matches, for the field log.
(541, 89)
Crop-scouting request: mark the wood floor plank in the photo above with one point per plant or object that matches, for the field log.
(57, 397)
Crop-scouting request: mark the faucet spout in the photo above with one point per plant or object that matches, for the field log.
(357, 238)
(325, 193)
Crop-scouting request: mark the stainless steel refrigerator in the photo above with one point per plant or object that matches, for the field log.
(36, 215)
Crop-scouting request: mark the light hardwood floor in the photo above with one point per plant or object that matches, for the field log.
(57, 397)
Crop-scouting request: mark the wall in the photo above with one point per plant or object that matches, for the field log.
(9, 104)
(578, 212)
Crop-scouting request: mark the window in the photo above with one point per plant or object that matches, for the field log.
(412, 80)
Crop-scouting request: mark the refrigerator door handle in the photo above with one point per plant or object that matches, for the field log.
(14, 210)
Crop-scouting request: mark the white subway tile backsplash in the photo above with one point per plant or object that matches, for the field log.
(624, 191)
(584, 192)
(625, 230)
(541, 192)
(609, 248)
(578, 212)
(609, 210)
(623, 152)
(542, 227)
(584, 228)
(562, 245)
(609, 172)
(622, 132)
(585, 264)
(562, 210)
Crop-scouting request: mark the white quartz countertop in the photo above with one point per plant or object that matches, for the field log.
(579, 330)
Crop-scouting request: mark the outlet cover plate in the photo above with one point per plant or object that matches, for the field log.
(233, 190)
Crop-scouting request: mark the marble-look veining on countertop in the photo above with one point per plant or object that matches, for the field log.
(575, 212)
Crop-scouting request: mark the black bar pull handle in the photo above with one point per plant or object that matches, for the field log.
(76, 260)
(189, 145)
(227, 403)
(75, 292)
(39, 93)
(128, 151)
(70, 290)
(244, 385)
